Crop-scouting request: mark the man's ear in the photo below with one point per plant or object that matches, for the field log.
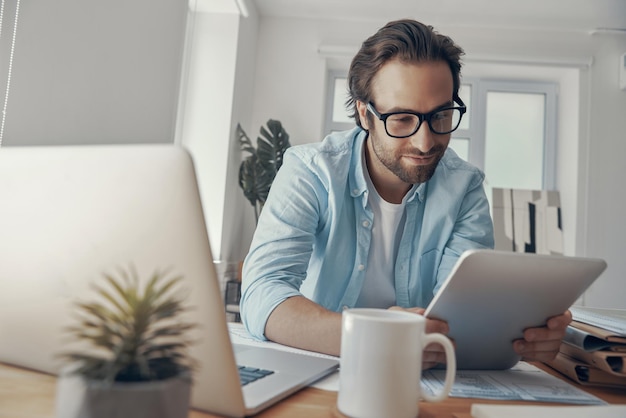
(362, 109)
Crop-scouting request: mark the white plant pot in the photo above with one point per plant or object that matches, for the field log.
(80, 398)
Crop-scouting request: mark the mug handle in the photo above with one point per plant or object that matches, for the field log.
(450, 366)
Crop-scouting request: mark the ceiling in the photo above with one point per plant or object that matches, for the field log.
(562, 15)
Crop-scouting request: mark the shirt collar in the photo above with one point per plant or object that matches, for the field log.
(356, 179)
(358, 184)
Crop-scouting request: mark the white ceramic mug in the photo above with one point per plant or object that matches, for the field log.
(381, 363)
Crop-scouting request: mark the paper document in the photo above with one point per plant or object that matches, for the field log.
(523, 382)
(525, 411)
(613, 320)
(587, 341)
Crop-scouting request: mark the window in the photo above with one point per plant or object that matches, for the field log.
(337, 118)
(509, 130)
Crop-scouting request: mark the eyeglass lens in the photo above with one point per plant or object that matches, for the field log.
(406, 124)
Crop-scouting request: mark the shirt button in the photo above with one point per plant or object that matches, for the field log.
(366, 224)
(361, 267)
(355, 191)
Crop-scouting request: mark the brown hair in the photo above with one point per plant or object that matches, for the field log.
(407, 40)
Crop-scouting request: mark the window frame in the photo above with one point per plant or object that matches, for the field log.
(478, 119)
(476, 133)
(329, 124)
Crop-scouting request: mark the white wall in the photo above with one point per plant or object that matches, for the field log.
(216, 95)
(290, 74)
(239, 220)
(208, 99)
(93, 72)
(110, 72)
(606, 224)
(290, 84)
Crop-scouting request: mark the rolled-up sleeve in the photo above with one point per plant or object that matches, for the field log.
(277, 262)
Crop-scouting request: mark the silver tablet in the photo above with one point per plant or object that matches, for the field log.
(491, 296)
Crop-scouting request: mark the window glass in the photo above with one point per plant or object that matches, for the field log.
(514, 139)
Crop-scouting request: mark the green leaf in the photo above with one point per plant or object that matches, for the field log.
(247, 178)
(133, 325)
(244, 141)
(258, 170)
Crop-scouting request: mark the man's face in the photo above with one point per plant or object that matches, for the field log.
(399, 86)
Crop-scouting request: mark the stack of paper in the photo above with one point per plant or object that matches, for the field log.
(594, 348)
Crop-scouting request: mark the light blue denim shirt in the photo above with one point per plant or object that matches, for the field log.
(314, 232)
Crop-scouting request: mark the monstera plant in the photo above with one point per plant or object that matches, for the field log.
(257, 170)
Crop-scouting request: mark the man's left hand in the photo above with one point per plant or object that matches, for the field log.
(543, 343)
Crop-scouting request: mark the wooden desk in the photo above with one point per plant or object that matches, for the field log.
(29, 394)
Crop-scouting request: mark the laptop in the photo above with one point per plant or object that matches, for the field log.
(491, 296)
(68, 214)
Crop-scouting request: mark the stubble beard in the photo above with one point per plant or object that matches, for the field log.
(413, 174)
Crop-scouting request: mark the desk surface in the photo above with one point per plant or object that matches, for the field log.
(29, 394)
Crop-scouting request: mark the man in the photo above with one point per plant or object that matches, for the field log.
(376, 216)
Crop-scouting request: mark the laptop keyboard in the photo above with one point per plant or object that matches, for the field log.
(250, 374)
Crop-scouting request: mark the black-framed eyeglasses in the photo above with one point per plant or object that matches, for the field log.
(404, 124)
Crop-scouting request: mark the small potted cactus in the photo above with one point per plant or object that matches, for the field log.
(133, 358)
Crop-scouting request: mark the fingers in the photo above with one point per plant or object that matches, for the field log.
(433, 355)
(560, 322)
(432, 325)
(543, 343)
(538, 350)
(419, 311)
(429, 365)
(435, 325)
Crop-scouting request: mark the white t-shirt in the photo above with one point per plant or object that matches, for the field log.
(378, 288)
